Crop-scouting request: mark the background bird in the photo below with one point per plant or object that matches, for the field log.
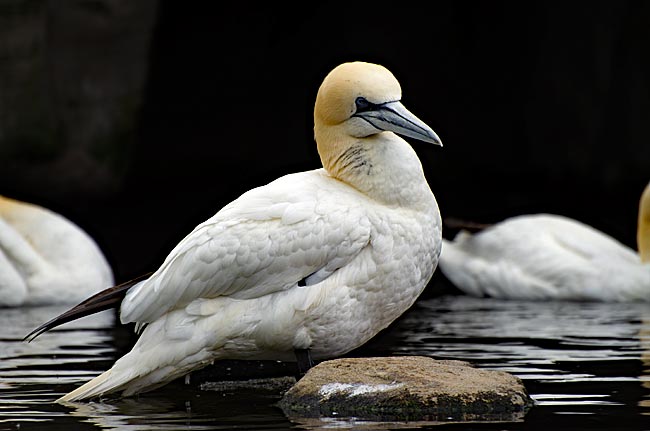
(548, 256)
(46, 258)
(312, 265)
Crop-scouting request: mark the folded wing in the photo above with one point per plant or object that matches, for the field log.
(284, 235)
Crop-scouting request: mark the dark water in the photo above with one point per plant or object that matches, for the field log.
(585, 364)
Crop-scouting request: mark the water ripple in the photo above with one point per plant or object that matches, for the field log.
(577, 360)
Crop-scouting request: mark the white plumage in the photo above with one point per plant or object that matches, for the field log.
(319, 260)
(546, 256)
(45, 258)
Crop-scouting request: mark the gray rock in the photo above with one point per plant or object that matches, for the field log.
(269, 384)
(412, 388)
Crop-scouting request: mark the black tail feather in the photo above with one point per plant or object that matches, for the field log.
(104, 300)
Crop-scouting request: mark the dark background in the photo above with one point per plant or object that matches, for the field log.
(541, 106)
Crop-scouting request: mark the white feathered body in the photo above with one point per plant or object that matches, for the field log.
(545, 256)
(363, 264)
(319, 260)
(45, 258)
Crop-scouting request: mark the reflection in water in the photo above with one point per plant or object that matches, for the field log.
(574, 358)
(644, 337)
(32, 362)
(59, 357)
(31, 373)
(578, 361)
(526, 333)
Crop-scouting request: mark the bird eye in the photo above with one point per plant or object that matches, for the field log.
(362, 104)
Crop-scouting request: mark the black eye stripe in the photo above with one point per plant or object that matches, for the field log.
(363, 105)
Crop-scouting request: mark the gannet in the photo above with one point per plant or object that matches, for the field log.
(307, 267)
(549, 256)
(45, 258)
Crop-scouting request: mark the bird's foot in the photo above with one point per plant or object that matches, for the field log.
(303, 358)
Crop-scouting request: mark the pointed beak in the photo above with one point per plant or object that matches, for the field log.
(394, 117)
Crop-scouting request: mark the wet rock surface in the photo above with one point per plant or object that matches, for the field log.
(269, 384)
(412, 388)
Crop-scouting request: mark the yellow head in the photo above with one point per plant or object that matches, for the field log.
(336, 98)
(357, 101)
(643, 229)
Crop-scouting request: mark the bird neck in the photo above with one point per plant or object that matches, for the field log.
(643, 229)
(383, 166)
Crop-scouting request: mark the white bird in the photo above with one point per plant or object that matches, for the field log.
(311, 265)
(46, 258)
(547, 256)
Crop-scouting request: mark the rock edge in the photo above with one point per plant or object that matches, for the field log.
(414, 388)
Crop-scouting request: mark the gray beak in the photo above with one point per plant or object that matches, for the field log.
(394, 117)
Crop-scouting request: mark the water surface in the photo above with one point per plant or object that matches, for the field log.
(585, 364)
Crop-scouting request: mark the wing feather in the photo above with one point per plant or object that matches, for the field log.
(266, 241)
